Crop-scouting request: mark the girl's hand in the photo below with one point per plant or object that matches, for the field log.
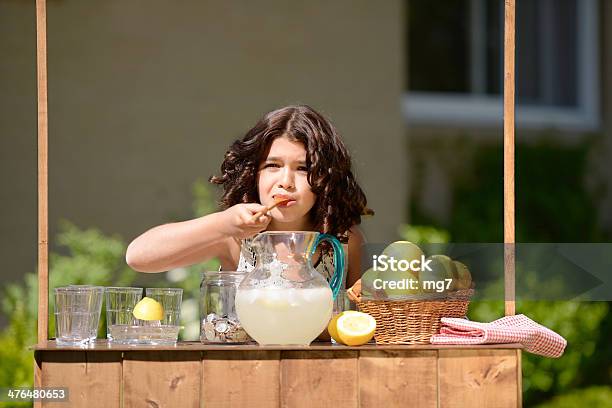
(239, 221)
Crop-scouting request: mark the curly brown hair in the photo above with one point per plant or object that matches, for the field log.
(340, 201)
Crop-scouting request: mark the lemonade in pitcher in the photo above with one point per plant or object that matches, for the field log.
(284, 300)
(291, 316)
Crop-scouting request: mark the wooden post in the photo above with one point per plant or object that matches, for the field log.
(509, 239)
(43, 213)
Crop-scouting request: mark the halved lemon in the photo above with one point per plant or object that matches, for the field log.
(355, 329)
(148, 309)
(332, 327)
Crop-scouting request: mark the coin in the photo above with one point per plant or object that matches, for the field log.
(209, 331)
(221, 326)
(223, 329)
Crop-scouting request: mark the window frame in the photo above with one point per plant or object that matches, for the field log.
(479, 110)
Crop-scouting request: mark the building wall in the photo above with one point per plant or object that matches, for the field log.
(145, 97)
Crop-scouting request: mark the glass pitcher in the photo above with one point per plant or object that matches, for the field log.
(284, 300)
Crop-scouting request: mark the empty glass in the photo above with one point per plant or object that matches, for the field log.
(77, 314)
(170, 299)
(342, 303)
(136, 331)
(120, 304)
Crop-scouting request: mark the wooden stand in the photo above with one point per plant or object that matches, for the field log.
(322, 375)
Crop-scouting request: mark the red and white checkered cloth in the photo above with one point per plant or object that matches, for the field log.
(536, 338)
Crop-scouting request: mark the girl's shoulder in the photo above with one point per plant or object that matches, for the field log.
(356, 235)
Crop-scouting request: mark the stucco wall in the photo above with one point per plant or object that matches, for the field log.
(144, 97)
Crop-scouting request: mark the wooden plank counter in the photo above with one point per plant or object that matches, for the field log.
(192, 374)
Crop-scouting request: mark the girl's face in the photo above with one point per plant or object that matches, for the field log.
(284, 174)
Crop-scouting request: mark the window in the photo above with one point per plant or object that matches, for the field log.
(455, 63)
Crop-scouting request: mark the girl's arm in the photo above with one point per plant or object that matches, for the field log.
(184, 243)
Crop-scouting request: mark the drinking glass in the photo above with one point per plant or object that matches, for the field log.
(120, 302)
(77, 314)
(170, 299)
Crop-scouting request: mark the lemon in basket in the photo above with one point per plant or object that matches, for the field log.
(462, 276)
(405, 250)
(435, 279)
(397, 283)
(148, 309)
(355, 328)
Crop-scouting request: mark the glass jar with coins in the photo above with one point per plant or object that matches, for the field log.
(218, 319)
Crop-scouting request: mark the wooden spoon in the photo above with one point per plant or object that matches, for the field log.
(278, 200)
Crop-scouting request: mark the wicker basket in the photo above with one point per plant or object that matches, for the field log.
(414, 321)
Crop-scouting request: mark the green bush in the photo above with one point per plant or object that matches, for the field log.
(91, 258)
(552, 205)
(600, 397)
(88, 257)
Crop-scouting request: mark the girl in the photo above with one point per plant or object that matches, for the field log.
(292, 152)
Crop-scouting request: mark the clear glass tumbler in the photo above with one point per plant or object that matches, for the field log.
(218, 319)
(170, 299)
(120, 302)
(342, 303)
(77, 314)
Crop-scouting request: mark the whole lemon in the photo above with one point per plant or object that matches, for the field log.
(463, 277)
(405, 250)
(441, 268)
